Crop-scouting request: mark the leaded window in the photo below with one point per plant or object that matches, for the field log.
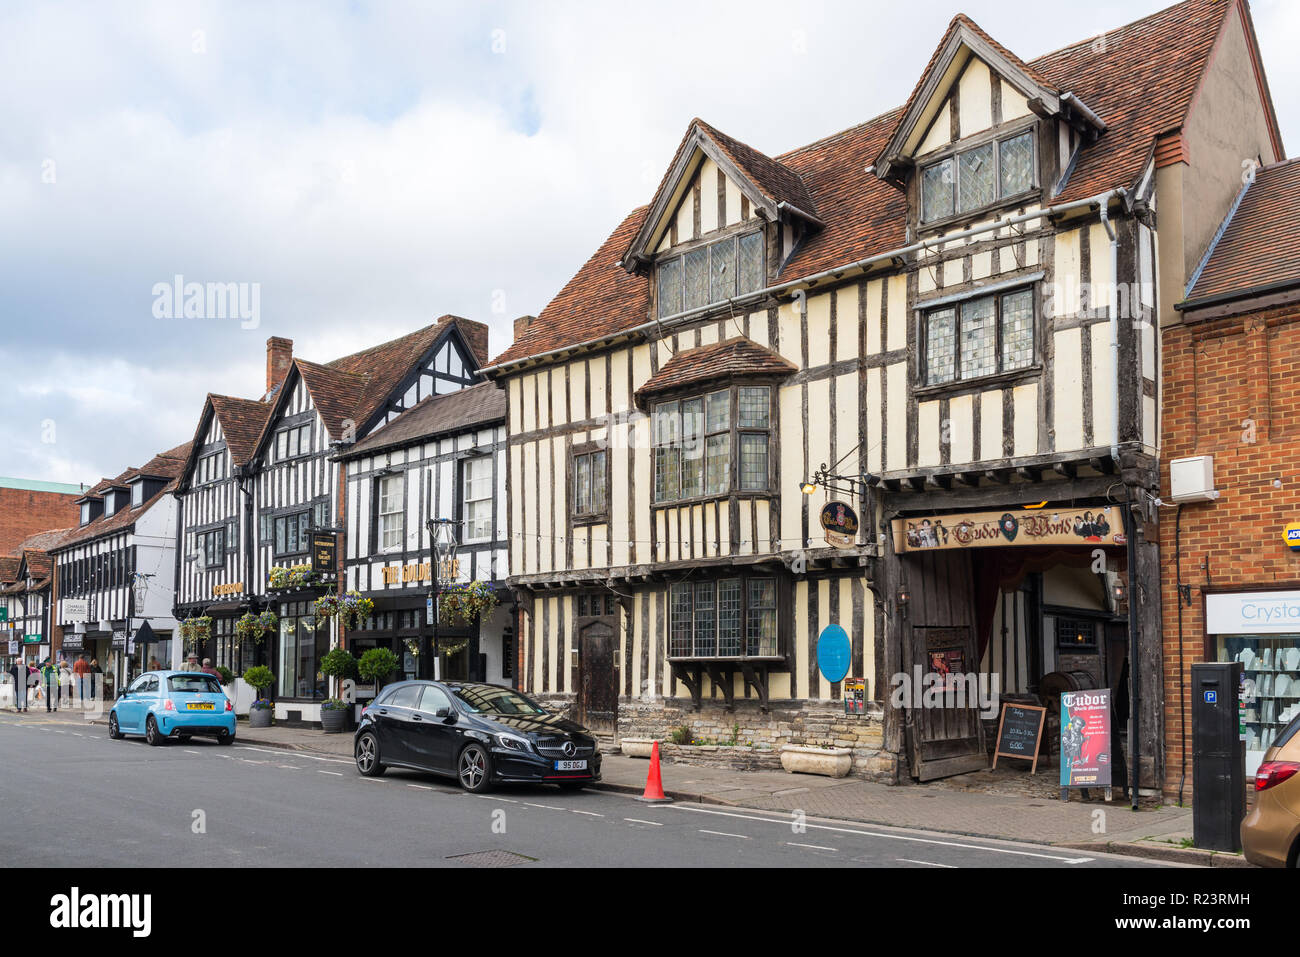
(291, 536)
(590, 484)
(726, 618)
(978, 177)
(711, 273)
(695, 440)
(979, 337)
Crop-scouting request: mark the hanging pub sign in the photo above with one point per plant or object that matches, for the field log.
(1085, 739)
(324, 552)
(840, 523)
(1073, 526)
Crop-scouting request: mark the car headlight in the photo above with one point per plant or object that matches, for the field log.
(512, 742)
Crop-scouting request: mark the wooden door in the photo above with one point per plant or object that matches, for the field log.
(597, 678)
(944, 740)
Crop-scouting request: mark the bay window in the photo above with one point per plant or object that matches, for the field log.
(727, 618)
(696, 440)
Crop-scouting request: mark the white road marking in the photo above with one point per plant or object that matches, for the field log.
(636, 820)
(337, 774)
(893, 837)
(77, 734)
(289, 767)
(908, 860)
(815, 847)
(546, 807)
(588, 813)
(743, 837)
(296, 754)
(421, 787)
(188, 751)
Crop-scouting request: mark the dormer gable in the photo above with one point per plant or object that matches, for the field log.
(735, 184)
(973, 85)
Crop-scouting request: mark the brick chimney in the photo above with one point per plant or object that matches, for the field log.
(521, 326)
(279, 355)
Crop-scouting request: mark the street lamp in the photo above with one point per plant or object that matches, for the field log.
(139, 590)
(442, 544)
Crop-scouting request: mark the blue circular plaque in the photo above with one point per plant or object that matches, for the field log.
(833, 652)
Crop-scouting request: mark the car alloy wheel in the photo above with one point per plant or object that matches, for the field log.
(474, 769)
(114, 731)
(367, 756)
(151, 734)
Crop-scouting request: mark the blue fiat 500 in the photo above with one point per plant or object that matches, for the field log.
(173, 704)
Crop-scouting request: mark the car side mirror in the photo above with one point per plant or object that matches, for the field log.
(122, 693)
(446, 714)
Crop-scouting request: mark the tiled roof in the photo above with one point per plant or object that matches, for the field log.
(459, 411)
(732, 358)
(1140, 81)
(9, 568)
(242, 421)
(168, 465)
(336, 394)
(1260, 243)
(778, 182)
(42, 541)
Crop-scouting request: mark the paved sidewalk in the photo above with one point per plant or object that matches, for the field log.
(1161, 833)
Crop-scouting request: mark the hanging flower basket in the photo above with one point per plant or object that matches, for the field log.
(464, 604)
(295, 576)
(195, 631)
(254, 627)
(350, 610)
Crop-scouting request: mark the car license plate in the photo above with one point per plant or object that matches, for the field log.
(571, 765)
(199, 706)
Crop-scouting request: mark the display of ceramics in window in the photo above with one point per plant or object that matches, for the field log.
(1271, 666)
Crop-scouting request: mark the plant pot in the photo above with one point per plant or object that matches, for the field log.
(637, 747)
(333, 720)
(259, 718)
(829, 762)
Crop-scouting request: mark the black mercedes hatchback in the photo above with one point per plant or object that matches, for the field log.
(479, 733)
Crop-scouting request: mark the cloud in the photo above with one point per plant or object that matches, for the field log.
(373, 166)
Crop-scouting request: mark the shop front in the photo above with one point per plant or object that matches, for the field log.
(1009, 606)
(1260, 629)
(302, 640)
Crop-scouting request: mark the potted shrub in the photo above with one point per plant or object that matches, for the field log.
(227, 676)
(341, 665)
(259, 678)
(376, 665)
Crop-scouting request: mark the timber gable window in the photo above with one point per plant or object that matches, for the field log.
(697, 439)
(977, 177)
(293, 442)
(590, 484)
(711, 273)
(979, 337)
(210, 468)
(727, 618)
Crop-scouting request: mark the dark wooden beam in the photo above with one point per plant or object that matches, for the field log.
(1068, 469)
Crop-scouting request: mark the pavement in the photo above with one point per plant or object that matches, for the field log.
(293, 798)
(1158, 834)
(1161, 833)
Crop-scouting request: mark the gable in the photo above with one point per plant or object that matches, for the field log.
(709, 201)
(977, 100)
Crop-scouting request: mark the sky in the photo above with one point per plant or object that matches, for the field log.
(359, 169)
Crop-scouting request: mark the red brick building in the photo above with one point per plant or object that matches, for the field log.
(28, 507)
(1231, 581)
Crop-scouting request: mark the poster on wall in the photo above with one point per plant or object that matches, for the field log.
(1085, 739)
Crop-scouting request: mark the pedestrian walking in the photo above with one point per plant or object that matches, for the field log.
(192, 664)
(50, 685)
(95, 670)
(209, 670)
(18, 671)
(82, 672)
(65, 683)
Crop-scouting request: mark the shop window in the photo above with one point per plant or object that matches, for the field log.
(729, 618)
(978, 177)
(694, 440)
(1271, 695)
(979, 337)
(712, 273)
(301, 648)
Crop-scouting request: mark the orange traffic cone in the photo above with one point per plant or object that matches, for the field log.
(654, 788)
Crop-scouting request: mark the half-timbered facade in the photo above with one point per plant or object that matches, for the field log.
(444, 458)
(127, 533)
(945, 313)
(26, 592)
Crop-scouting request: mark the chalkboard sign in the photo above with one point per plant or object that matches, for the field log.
(1019, 731)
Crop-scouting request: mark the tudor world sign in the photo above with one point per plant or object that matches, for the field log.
(1083, 526)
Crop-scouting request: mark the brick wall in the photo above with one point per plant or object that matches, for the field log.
(1231, 389)
(23, 513)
